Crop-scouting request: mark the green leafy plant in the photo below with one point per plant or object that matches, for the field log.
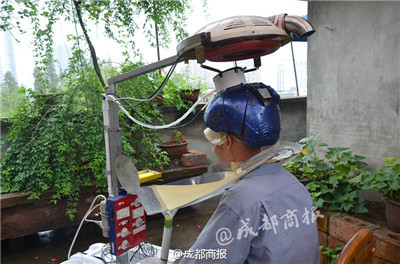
(385, 179)
(171, 95)
(11, 94)
(331, 254)
(177, 137)
(60, 146)
(140, 143)
(328, 174)
(180, 86)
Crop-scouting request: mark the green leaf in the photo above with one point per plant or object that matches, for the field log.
(333, 180)
(356, 179)
(319, 202)
(326, 190)
(347, 207)
(321, 166)
(361, 210)
(343, 168)
(396, 168)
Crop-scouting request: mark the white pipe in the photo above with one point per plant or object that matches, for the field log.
(165, 244)
(114, 99)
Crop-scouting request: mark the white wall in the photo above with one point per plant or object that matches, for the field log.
(354, 77)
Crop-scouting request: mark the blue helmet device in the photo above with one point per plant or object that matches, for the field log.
(251, 110)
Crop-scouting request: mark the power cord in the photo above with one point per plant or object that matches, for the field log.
(113, 98)
(90, 210)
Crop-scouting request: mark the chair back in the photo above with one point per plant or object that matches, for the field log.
(359, 250)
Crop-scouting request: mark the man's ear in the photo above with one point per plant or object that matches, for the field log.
(229, 141)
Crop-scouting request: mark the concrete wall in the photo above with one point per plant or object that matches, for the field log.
(293, 114)
(354, 77)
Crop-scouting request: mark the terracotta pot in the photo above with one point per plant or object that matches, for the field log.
(159, 99)
(190, 95)
(392, 209)
(175, 150)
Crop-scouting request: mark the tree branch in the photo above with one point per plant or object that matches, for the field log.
(92, 50)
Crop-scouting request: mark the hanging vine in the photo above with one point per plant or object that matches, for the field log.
(57, 143)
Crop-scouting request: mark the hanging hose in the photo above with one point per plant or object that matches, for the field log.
(113, 98)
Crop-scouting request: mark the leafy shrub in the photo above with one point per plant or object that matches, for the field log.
(385, 179)
(60, 146)
(181, 85)
(328, 175)
(331, 254)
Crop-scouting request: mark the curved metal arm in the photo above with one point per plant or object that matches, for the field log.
(299, 26)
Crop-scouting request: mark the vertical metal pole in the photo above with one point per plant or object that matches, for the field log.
(294, 67)
(112, 138)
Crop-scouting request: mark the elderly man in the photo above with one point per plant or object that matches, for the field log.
(267, 216)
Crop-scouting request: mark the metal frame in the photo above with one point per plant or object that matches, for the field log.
(112, 131)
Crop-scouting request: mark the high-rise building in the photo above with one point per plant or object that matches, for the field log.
(301, 69)
(280, 78)
(61, 54)
(7, 58)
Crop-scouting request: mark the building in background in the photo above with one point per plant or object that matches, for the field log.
(276, 70)
(61, 55)
(7, 56)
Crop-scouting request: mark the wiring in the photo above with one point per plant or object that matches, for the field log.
(189, 122)
(145, 250)
(156, 92)
(147, 123)
(151, 123)
(148, 249)
(113, 98)
(90, 210)
(134, 109)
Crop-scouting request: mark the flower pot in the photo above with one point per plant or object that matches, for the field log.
(174, 150)
(392, 209)
(159, 99)
(190, 95)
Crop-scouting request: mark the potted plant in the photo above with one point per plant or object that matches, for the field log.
(386, 180)
(192, 88)
(176, 147)
(327, 175)
(181, 90)
(190, 95)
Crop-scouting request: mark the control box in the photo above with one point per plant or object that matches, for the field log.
(127, 223)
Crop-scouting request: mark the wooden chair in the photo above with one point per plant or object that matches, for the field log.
(359, 250)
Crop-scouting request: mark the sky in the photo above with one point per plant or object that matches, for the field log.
(217, 9)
